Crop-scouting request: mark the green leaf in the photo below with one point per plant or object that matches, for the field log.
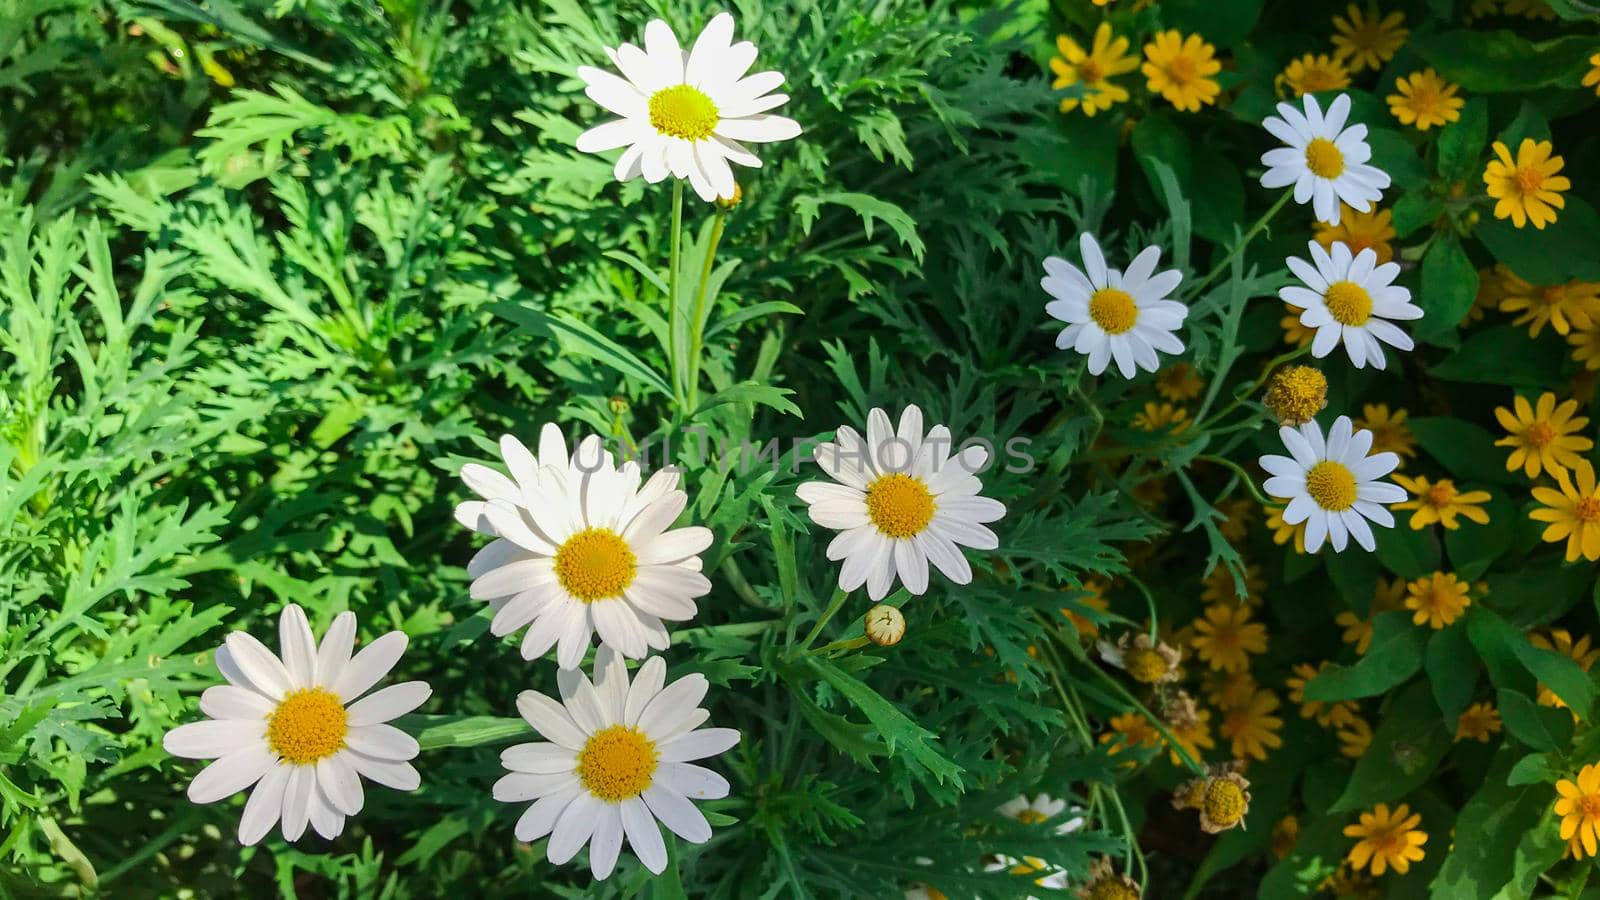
(1212, 186)
(1481, 859)
(1395, 655)
(1462, 142)
(1407, 553)
(871, 210)
(1223, 24)
(900, 733)
(1527, 723)
(1554, 254)
(581, 339)
(1406, 748)
(1449, 284)
(1465, 450)
(1491, 61)
(1452, 670)
(437, 732)
(1504, 355)
(1473, 547)
(750, 392)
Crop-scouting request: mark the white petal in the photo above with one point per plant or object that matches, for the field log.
(389, 703)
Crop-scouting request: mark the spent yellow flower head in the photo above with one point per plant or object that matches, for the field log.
(1090, 71)
(1423, 100)
(1575, 304)
(1440, 502)
(1437, 600)
(1477, 723)
(1572, 514)
(1225, 637)
(1296, 394)
(1224, 801)
(1390, 433)
(1251, 728)
(1543, 436)
(1190, 727)
(1386, 840)
(1578, 805)
(1365, 40)
(1313, 74)
(1181, 70)
(1105, 884)
(1528, 188)
(1359, 231)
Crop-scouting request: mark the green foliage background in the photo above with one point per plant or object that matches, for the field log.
(271, 272)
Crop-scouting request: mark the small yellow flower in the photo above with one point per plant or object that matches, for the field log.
(1440, 502)
(1530, 9)
(1425, 100)
(1578, 805)
(1386, 841)
(1491, 291)
(1586, 346)
(1359, 231)
(1388, 595)
(1225, 637)
(1323, 713)
(1296, 394)
(1178, 382)
(1482, 9)
(1354, 735)
(1575, 304)
(1572, 513)
(1129, 731)
(1295, 334)
(1283, 531)
(1477, 723)
(1145, 660)
(1093, 597)
(1162, 417)
(1313, 74)
(1220, 586)
(1190, 727)
(1390, 433)
(1367, 41)
(1437, 600)
(1092, 70)
(1526, 189)
(1238, 511)
(1227, 689)
(1543, 437)
(1180, 70)
(1251, 728)
(1592, 77)
(1560, 641)
(1284, 835)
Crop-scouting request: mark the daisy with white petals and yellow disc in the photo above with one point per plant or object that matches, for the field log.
(1325, 161)
(1349, 299)
(901, 500)
(301, 728)
(1112, 314)
(1331, 484)
(616, 759)
(582, 548)
(685, 114)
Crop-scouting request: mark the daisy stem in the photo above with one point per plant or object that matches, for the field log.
(827, 616)
(672, 287)
(1149, 601)
(698, 326)
(1259, 226)
(1249, 483)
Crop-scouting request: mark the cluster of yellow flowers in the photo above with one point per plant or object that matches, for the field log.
(1180, 68)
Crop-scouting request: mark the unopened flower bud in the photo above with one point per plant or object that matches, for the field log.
(885, 625)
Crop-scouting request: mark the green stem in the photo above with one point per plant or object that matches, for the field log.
(1255, 386)
(698, 326)
(1243, 242)
(827, 615)
(1249, 483)
(672, 287)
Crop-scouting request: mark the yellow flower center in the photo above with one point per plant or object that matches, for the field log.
(1587, 509)
(1425, 98)
(1090, 71)
(1113, 310)
(683, 111)
(1182, 69)
(1540, 434)
(1296, 394)
(900, 505)
(1031, 817)
(1441, 494)
(1349, 303)
(1224, 802)
(1324, 159)
(307, 726)
(1112, 890)
(1146, 666)
(1332, 485)
(595, 564)
(1554, 295)
(1529, 179)
(1590, 804)
(617, 763)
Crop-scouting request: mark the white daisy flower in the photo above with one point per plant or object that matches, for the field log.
(299, 729)
(685, 114)
(582, 549)
(901, 500)
(616, 759)
(1112, 314)
(1040, 809)
(1053, 878)
(1332, 485)
(1350, 299)
(1325, 161)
